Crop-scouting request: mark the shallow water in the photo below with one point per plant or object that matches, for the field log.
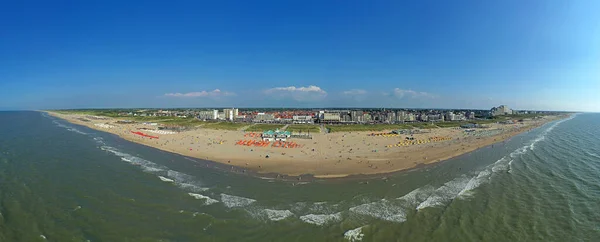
(64, 182)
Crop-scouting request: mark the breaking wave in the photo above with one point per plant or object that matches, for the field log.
(321, 219)
(276, 215)
(162, 178)
(445, 193)
(207, 200)
(182, 180)
(354, 234)
(231, 201)
(69, 128)
(384, 209)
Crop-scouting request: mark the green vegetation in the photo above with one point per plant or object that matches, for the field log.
(304, 128)
(179, 121)
(367, 127)
(225, 125)
(263, 127)
(450, 124)
(423, 125)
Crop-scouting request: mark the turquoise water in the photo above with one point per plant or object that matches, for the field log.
(63, 182)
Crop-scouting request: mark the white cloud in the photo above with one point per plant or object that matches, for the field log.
(401, 93)
(310, 88)
(353, 92)
(303, 94)
(213, 93)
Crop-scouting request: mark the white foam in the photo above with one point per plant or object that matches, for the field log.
(207, 201)
(192, 187)
(276, 215)
(445, 193)
(354, 234)
(182, 180)
(231, 201)
(320, 219)
(162, 178)
(475, 182)
(418, 195)
(383, 209)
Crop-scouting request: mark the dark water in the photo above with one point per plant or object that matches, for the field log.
(63, 182)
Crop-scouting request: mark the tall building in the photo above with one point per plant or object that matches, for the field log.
(208, 114)
(331, 117)
(230, 113)
(391, 117)
(471, 115)
(450, 116)
(400, 116)
(501, 110)
(357, 116)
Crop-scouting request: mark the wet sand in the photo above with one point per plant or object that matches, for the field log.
(331, 155)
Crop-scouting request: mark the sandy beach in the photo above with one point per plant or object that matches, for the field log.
(325, 155)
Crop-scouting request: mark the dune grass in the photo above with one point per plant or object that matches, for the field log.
(367, 127)
(304, 128)
(264, 127)
(224, 125)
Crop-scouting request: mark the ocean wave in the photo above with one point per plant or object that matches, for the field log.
(99, 140)
(445, 193)
(276, 215)
(321, 219)
(354, 234)
(231, 201)
(593, 154)
(207, 200)
(162, 178)
(383, 209)
(182, 180)
(475, 182)
(69, 128)
(417, 196)
(505, 163)
(314, 208)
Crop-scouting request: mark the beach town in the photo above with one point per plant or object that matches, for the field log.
(330, 150)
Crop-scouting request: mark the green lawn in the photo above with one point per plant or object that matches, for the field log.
(225, 125)
(264, 127)
(304, 128)
(367, 127)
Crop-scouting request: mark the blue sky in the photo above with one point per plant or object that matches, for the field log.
(542, 55)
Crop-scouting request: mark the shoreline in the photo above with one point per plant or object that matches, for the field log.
(320, 163)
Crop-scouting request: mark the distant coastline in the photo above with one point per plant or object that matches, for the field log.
(332, 155)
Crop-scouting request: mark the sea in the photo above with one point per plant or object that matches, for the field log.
(65, 182)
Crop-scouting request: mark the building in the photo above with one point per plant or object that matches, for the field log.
(302, 119)
(231, 113)
(271, 135)
(391, 117)
(357, 116)
(471, 115)
(346, 117)
(331, 117)
(501, 110)
(400, 116)
(264, 118)
(208, 115)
